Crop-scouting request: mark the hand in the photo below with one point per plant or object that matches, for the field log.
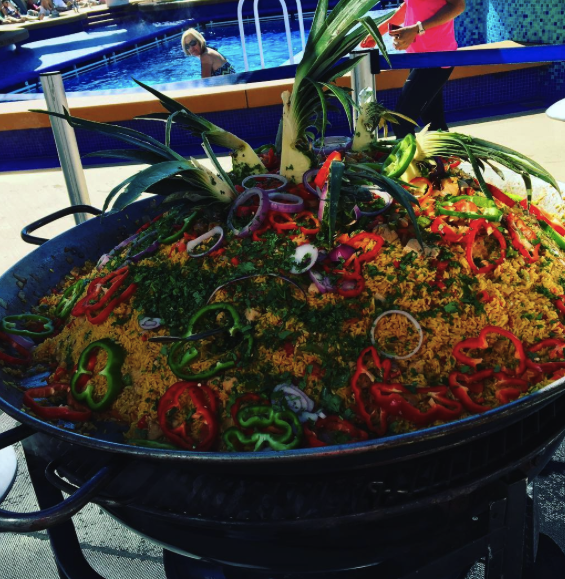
(404, 37)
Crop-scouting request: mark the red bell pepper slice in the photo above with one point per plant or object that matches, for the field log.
(282, 222)
(523, 238)
(350, 286)
(476, 226)
(65, 412)
(25, 355)
(361, 240)
(501, 196)
(374, 417)
(394, 400)
(557, 347)
(447, 232)
(176, 426)
(541, 215)
(481, 343)
(256, 234)
(460, 385)
(100, 302)
(333, 430)
(324, 171)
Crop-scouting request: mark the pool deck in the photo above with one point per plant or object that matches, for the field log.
(29, 195)
(87, 45)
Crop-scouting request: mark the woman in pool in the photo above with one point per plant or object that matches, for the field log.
(212, 63)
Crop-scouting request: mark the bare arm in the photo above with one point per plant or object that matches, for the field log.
(205, 65)
(404, 37)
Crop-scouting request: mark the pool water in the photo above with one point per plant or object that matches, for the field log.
(167, 62)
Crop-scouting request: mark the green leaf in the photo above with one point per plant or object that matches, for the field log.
(122, 133)
(132, 154)
(168, 128)
(144, 179)
(346, 101)
(373, 30)
(335, 179)
(324, 108)
(210, 154)
(115, 191)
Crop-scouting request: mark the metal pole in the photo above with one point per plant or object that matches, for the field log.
(362, 77)
(67, 148)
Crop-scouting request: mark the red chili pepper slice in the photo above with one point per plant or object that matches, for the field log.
(374, 417)
(478, 225)
(523, 238)
(394, 399)
(333, 430)
(481, 343)
(175, 426)
(324, 171)
(54, 412)
(541, 215)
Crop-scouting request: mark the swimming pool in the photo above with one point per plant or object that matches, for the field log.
(167, 62)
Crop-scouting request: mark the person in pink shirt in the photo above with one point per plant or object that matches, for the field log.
(424, 26)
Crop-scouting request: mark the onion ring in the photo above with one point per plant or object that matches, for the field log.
(302, 251)
(147, 323)
(296, 400)
(321, 281)
(412, 320)
(306, 181)
(258, 218)
(196, 242)
(147, 251)
(342, 251)
(295, 204)
(280, 178)
(375, 191)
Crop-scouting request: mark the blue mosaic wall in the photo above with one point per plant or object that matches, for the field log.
(534, 21)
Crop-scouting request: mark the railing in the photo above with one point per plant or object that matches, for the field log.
(258, 30)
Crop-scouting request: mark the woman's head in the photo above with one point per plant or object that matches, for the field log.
(192, 41)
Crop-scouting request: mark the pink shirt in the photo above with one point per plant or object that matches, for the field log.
(435, 39)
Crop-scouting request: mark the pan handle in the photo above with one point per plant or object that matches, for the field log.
(15, 435)
(53, 217)
(38, 521)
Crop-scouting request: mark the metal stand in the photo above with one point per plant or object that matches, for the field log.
(363, 75)
(67, 148)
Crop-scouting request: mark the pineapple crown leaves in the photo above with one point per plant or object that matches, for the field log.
(331, 38)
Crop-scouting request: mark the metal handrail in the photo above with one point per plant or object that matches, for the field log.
(258, 30)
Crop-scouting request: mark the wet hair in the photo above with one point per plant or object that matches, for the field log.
(197, 36)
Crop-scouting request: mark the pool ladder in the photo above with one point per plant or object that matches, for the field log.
(258, 30)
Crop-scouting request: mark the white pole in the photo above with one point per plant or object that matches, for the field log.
(287, 30)
(241, 33)
(65, 140)
(361, 77)
(258, 31)
(301, 23)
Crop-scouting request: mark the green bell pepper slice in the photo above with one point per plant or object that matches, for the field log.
(400, 157)
(112, 372)
(9, 325)
(490, 211)
(260, 418)
(179, 361)
(69, 299)
(552, 234)
(178, 234)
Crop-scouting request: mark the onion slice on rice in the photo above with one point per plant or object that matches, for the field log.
(290, 203)
(283, 181)
(412, 320)
(262, 210)
(301, 253)
(209, 234)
